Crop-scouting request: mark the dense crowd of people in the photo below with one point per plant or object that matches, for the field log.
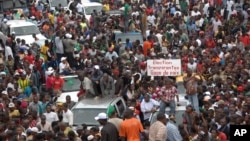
(210, 37)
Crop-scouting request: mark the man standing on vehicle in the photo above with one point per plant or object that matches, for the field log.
(190, 84)
(79, 7)
(95, 77)
(107, 85)
(109, 131)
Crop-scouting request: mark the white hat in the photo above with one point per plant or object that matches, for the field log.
(34, 129)
(11, 105)
(5, 92)
(90, 137)
(206, 98)
(5, 20)
(97, 67)
(63, 58)
(167, 116)
(68, 35)
(32, 17)
(13, 32)
(50, 70)
(207, 93)
(16, 73)
(101, 116)
(2, 73)
(131, 108)
(76, 55)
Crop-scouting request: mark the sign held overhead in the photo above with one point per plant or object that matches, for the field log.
(163, 67)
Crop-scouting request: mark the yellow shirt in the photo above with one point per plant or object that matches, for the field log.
(83, 25)
(106, 7)
(51, 18)
(66, 131)
(14, 113)
(44, 50)
(23, 83)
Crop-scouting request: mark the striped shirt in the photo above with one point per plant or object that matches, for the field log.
(169, 93)
(173, 133)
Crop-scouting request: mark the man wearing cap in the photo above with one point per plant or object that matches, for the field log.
(113, 117)
(157, 131)
(64, 67)
(95, 77)
(13, 112)
(4, 26)
(69, 45)
(110, 54)
(109, 131)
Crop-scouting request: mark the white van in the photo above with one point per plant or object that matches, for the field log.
(55, 3)
(88, 8)
(24, 30)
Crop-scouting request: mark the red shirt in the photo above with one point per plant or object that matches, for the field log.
(149, 11)
(210, 43)
(49, 82)
(245, 40)
(58, 83)
(222, 136)
(59, 19)
(38, 65)
(29, 58)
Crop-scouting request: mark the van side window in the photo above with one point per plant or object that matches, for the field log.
(121, 107)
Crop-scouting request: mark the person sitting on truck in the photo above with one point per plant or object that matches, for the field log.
(107, 85)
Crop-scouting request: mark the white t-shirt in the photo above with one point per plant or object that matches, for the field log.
(59, 45)
(151, 19)
(62, 66)
(79, 8)
(8, 51)
(50, 117)
(193, 13)
(216, 24)
(230, 4)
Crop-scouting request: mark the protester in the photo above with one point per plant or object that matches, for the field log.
(157, 131)
(211, 38)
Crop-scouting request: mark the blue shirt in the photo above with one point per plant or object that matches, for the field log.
(173, 133)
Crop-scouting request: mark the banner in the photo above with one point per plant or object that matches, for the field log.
(162, 67)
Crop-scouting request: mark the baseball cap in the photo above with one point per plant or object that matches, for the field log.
(34, 129)
(101, 116)
(110, 110)
(5, 92)
(167, 116)
(11, 105)
(97, 67)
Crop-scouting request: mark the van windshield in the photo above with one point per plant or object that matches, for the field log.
(25, 30)
(90, 9)
(87, 116)
(55, 3)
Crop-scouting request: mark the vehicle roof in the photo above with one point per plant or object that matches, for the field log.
(103, 102)
(128, 33)
(19, 23)
(69, 76)
(92, 4)
(115, 12)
